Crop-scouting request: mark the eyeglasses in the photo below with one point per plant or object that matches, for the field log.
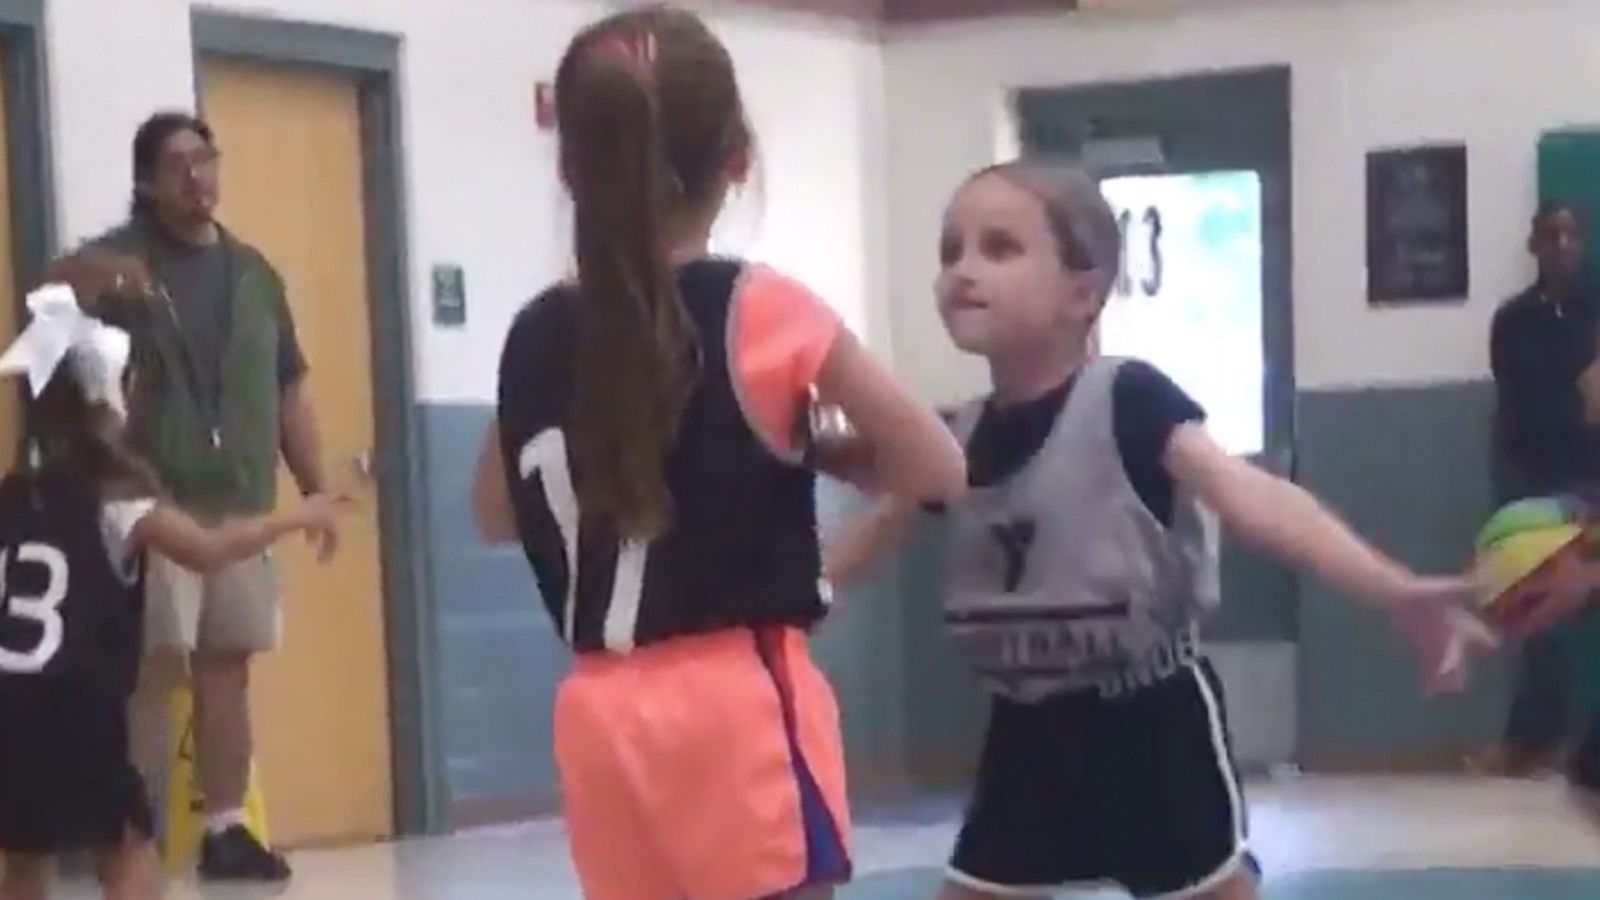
(180, 164)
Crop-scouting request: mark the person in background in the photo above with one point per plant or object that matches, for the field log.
(1539, 344)
(229, 396)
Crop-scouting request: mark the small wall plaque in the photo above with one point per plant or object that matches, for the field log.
(449, 296)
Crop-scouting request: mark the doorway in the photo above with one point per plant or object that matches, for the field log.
(306, 118)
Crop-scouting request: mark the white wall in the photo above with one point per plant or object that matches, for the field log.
(480, 177)
(837, 115)
(1366, 73)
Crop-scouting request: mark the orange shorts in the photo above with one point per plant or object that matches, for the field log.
(706, 767)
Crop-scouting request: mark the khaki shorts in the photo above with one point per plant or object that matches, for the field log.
(235, 610)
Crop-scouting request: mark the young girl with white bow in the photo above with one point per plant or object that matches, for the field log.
(77, 515)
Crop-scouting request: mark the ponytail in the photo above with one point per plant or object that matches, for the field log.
(635, 353)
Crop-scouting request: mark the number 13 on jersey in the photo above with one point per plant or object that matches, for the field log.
(42, 611)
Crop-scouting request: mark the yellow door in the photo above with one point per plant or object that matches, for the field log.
(292, 186)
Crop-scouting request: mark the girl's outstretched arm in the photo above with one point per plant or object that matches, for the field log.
(1285, 520)
(172, 533)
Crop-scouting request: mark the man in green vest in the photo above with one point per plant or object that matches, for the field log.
(224, 396)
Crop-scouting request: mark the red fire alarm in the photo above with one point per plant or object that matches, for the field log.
(544, 106)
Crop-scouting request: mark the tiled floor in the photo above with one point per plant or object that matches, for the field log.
(1320, 839)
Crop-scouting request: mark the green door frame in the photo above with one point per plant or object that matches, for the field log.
(30, 176)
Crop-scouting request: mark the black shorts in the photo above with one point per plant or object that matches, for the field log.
(1139, 791)
(65, 773)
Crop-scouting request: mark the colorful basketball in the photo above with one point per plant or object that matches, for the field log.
(1529, 555)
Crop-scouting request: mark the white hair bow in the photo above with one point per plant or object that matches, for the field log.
(61, 330)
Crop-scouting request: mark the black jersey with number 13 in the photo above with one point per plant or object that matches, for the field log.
(68, 617)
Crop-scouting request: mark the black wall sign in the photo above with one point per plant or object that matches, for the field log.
(1417, 225)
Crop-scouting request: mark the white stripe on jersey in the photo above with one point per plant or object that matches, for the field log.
(545, 455)
(627, 588)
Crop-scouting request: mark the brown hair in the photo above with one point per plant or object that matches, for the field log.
(70, 434)
(650, 117)
(150, 140)
(1085, 228)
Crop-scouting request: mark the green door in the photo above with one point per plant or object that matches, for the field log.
(1569, 172)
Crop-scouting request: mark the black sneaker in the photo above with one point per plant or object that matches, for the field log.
(236, 855)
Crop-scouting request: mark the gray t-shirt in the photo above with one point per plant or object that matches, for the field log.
(200, 280)
(1061, 577)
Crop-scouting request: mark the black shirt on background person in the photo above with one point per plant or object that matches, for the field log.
(1540, 341)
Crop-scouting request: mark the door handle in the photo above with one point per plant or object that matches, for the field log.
(361, 466)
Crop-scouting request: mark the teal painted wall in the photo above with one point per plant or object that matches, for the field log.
(1410, 469)
(861, 646)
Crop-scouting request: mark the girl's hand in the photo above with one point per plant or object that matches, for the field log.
(318, 518)
(865, 539)
(1434, 615)
(96, 274)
